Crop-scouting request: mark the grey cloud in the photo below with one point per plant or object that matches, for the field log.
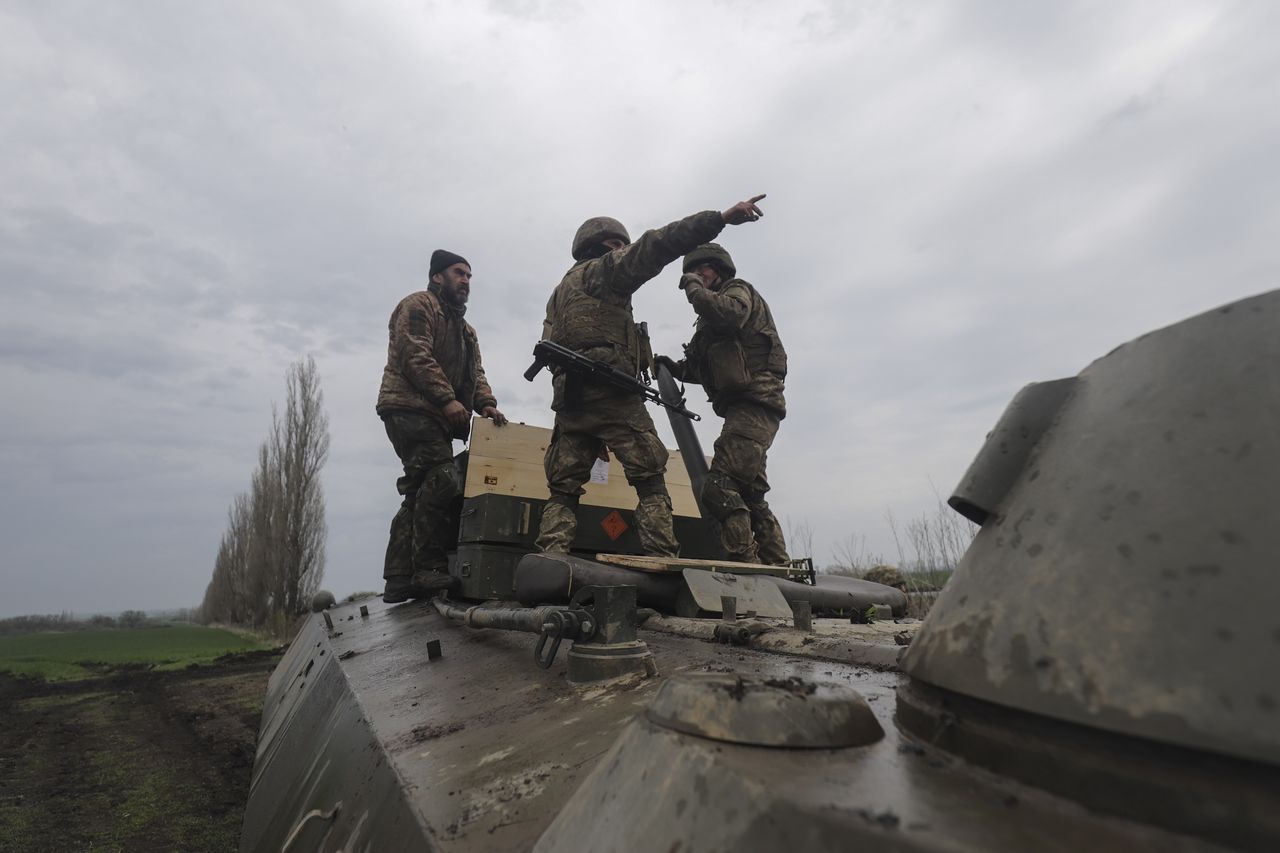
(540, 11)
(963, 198)
(50, 254)
(47, 349)
(1136, 108)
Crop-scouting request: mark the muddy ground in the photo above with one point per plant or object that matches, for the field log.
(135, 760)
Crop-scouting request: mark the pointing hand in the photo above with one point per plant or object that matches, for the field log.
(744, 211)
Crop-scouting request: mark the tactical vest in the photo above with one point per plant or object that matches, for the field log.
(583, 322)
(762, 350)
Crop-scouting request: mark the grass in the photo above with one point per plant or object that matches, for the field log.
(83, 654)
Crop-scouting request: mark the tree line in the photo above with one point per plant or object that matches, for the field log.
(41, 622)
(270, 560)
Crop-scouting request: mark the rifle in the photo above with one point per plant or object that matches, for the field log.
(580, 368)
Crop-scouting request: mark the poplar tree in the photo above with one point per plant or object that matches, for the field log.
(270, 560)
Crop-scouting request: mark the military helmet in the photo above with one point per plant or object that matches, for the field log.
(714, 254)
(322, 600)
(594, 231)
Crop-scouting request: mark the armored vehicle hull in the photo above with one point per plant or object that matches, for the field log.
(369, 743)
(1100, 673)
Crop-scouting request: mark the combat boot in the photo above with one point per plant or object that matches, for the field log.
(420, 584)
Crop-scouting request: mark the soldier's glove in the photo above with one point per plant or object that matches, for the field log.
(664, 361)
(689, 280)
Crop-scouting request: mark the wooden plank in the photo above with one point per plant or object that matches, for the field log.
(678, 564)
(508, 461)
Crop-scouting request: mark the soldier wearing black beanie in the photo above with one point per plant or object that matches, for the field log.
(432, 386)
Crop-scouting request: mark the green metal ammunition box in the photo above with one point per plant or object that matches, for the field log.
(486, 571)
(513, 521)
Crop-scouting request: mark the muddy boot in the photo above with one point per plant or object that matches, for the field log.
(397, 589)
(420, 584)
(426, 584)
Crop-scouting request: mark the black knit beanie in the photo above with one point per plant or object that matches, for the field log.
(441, 260)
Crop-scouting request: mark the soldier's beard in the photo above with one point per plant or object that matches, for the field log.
(456, 296)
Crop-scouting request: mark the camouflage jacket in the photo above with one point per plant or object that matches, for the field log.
(433, 357)
(590, 310)
(735, 353)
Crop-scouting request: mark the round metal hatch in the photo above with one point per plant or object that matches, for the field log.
(780, 712)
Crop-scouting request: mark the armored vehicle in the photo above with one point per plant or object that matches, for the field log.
(1102, 672)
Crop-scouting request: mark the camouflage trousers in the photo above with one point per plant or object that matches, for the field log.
(426, 525)
(623, 425)
(736, 485)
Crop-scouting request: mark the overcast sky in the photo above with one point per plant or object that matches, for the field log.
(963, 198)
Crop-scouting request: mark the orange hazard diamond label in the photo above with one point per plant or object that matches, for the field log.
(613, 525)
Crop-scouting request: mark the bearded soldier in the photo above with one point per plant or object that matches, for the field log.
(590, 312)
(432, 383)
(737, 356)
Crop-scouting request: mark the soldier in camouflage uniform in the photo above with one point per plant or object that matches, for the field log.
(433, 381)
(590, 312)
(737, 356)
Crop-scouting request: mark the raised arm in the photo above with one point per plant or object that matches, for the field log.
(724, 310)
(625, 270)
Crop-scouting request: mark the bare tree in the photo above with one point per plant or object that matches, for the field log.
(936, 540)
(233, 553)
(851, 557)
(271, 558)
(263, 551)
(799, 538)
(302, 446)
(226, 598)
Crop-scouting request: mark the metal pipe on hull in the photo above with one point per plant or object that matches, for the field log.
(529, 620)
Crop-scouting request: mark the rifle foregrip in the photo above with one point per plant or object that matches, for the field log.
(534, 369)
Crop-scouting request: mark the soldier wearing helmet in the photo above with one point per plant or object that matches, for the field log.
(737, 356)
(590, 312)
(432, 383)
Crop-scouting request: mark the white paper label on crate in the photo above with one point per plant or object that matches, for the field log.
(600, 472)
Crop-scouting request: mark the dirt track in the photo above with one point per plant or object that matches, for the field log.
(136, 760)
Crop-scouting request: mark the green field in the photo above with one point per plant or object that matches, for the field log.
(81, 654)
